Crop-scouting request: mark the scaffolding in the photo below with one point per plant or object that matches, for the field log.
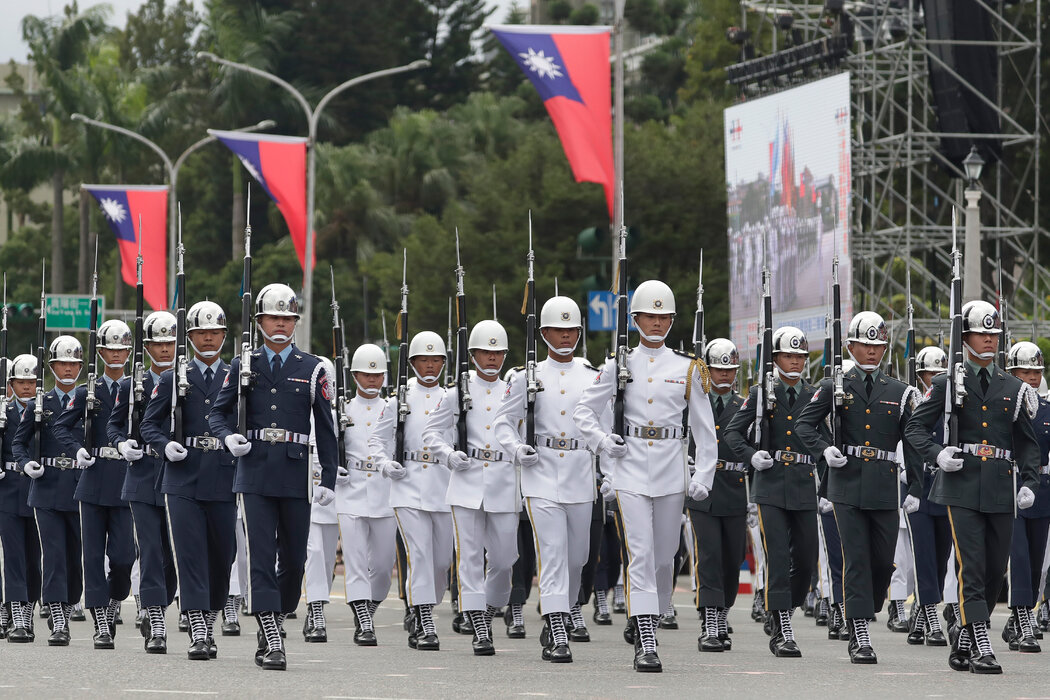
(904, 189)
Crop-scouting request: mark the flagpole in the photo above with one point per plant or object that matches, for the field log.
(617, 131)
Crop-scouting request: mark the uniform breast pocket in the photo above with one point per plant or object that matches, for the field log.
(296, 451)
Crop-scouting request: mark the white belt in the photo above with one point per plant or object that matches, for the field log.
(989, 451)
(487, 455)
(364, 465)
(12, 467)
(59, 462)
(149, 451)
(204, 442)
(870, 452)
(106, 452)
(1044, 470)
(423, 456)
(788, 457)
(730, 466)
(276, 435)
(558, 443)
(655, 432)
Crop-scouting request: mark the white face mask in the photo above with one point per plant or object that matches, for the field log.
(562, 352)
(656, 338)
(979, 355)
(866, 368)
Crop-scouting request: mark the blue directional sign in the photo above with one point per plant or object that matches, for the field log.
(601, 311)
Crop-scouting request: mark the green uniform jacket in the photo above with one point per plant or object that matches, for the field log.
(1000, 417)
(728, 493)
(787, 485)
(878, 422)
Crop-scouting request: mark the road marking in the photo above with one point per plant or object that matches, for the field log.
(361, 697)
(756, 673)
(171, 692)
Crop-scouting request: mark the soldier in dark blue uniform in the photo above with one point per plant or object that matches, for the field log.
(18, 534)
(51, 494)
(105, 519)
(1028, 544)
(273, 476)
(156, 564)
(197, 480)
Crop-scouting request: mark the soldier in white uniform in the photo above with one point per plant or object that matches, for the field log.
(647, 467)
(366, 519)
(557, 476)
(483, 489)
(417, 489)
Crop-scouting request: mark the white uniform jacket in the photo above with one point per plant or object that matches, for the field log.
(368, 493)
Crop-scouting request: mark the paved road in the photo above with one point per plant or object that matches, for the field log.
(602, 668)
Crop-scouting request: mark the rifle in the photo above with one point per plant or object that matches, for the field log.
(839, 397)
(699, 342)
(38, 406)
(136, 394)
(402, 367)
(829, 363)
(1004, 340)
(623, 373)
(910, 341)
(766, 399)
(387, 384)
(342, 365)
(90, 403)
(450, 359)
(955, 394)
(182, 357)
(245, 376)
(4, 365)
(532, 385)
(462, 356)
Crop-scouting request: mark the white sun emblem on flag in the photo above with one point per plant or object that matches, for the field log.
(250, 168)
(542, 64)
(113, 210)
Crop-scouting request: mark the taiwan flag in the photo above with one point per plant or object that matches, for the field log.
(569, 66)
(124, 206)
(278, 163)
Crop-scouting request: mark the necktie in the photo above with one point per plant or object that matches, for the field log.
(276, 364)
(868, 383)
(208, 375)
(719, 406)
(984, 379)
(113, 389)
(792, 394)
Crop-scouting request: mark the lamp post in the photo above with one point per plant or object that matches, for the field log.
(172, 169)
(312, 116)
(972, 165)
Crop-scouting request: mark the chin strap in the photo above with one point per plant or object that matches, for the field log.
(65, 382)
(367, 393)
(486, 372)
(207, 355)
(561, 351)
(656, 338)
(424, 378)
(788, 375)
(866, 368)
(723, 386)
(979, 355)
(279, 338)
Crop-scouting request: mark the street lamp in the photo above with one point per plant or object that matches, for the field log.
(972, 166)
(173, 174)
(312, 116)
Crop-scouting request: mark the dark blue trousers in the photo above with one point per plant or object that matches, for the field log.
(205, 542)
(1027, 547)
(931, 541)
(157, 581)
(62, 575)
(833, 544)
(106, 531)
(21, 558)
(276, 530)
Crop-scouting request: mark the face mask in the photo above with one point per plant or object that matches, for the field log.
(979, 355)
(866, 368)
(656, 338)
(561, 351)
(212, 353)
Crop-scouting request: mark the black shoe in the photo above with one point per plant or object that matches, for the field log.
(18, 635)
(406, 620)
(668, 622)
(427, 642)
(727, 642)
(157, 645)
(1028, 645)
(275, 661)
(833, 632)
(560, 654)
(365, 638)
(260, 647)
(862, 655)
(513, 631)
(545, 635)
(117, 620)
(1010, 631)
(897, 625)
(629, 633)
(213, 649)
(619, 608)
(103, 641)
(647, 663)
(579, 634)
(292, 616)
(936, 639)
(985, 664)
(784, 649)
(457, 622)
(768, 625)
(483, 647)
(78, 615)
(917, 637)
(184, 623)
(707, 642)
(316, 635)
(601, 618)
(958, 660)
(198, 651)
(59, 639)
(231, 629)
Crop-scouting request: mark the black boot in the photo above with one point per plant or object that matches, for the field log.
(782, 640)
(982, 659)
(860, 650)
(708, 640)
(645, 658)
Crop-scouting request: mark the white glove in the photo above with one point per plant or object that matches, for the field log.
(834, 457)
(130, 450)
(698, 491)
(237, 444)
(606, 490)
(34, 470)
(612, 446)
(824, 505)
(174, 452)
(911, 504)
(393, 470)
(3, 473)
(84, 458)
(342, 476)
(1025, 498)
(323, 496)
(458, 461)
(761, 460)
(947, 460)
(526, 456)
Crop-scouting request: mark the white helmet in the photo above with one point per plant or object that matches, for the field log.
(791, 340)
(487, 335)
(1024, 355)
(653, 297)
(65, 348)
(159, 327)
(426, 343)
(114, 335)
(23, 367)
(560, 312)
(848, 365)
(721, 353)
(1042, 390)
(980, 317)
(205, 316)
(931, 359)
(368, 358)
(867, 328)
(277, 300)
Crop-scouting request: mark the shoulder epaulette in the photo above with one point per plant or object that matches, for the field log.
(684, 353)
(588, 365)
(517, 369)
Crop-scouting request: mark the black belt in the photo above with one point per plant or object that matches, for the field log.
(107, 452)
(655, 432)
(866, 452)
(204, 442)
(276, 435)
(788, 457)
(558, 443)
(487, 455)
(730, 466)
(59, 462)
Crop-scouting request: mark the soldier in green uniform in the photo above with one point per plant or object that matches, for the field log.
(783, 487)
(976, 479)
(862, 479)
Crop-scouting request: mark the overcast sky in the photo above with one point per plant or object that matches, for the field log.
(11, 45)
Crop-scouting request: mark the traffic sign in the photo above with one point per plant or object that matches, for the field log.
(601, 311)
(71, 312)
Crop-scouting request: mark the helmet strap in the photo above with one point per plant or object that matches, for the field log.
(367, 393)
(206, 355)
(489, 373)
(426, 378)
(561, 351)
(64, 382)
(866, 368)
(979, 355)
(787, 375)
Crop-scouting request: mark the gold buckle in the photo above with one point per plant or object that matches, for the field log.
(868, 452)
(984, 451)
(787, 457)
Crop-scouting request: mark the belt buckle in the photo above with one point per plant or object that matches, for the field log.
(868, 452)
(486, 454)
(651, 432)
(275, 435)
(368, 466)
(561, 443)
(984, 451)
(787, 457)
(425, 456)
(109, 452)
(208, 443)
(720, 464)
(63, 462)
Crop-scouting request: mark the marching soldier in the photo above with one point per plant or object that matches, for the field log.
(417, 489)
(18, 533)
(719, 522)
(272, 473)
(156, 563)
(105, 519)
(197, 481)
(976, 479)
(51, 494)
(783, 487)
(557, 476)
(482, 487)
(863, 482)
(646, 468)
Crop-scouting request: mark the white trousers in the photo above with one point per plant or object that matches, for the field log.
(428, 547)
(484, 580)
(321, 546)
(652, 527)
(239, 571)
(902, 583)
(562, 533)
(368, 555)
